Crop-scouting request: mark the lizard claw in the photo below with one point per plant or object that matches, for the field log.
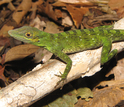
(59, 75)
(63, 79)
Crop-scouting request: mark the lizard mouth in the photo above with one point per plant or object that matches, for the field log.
(15, 35)
(12, 33)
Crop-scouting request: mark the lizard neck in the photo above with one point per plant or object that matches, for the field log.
(45, 39)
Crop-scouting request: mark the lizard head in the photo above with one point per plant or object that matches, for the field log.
(28, 34)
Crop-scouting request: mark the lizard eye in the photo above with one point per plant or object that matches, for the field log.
(28, 34)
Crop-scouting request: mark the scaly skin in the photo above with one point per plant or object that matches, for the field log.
(71, 41)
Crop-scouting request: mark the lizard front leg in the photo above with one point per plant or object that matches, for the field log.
(68, 61)
(107, 54)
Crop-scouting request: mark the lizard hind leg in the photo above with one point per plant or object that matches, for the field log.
(107, 54)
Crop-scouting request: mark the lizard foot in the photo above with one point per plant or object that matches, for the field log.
(63, 79)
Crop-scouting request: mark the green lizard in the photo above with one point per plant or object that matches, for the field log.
(71, 41)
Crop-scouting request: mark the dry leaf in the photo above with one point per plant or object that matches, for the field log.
(42, 55)
(51, 27)
(117, 5)
(74, 2)
(5, 1)
(2, 77)
(50, 12)
(4, 41)
(20, 52)
(106, 97)
(77, 14)
(17, 16)
(119, 70)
